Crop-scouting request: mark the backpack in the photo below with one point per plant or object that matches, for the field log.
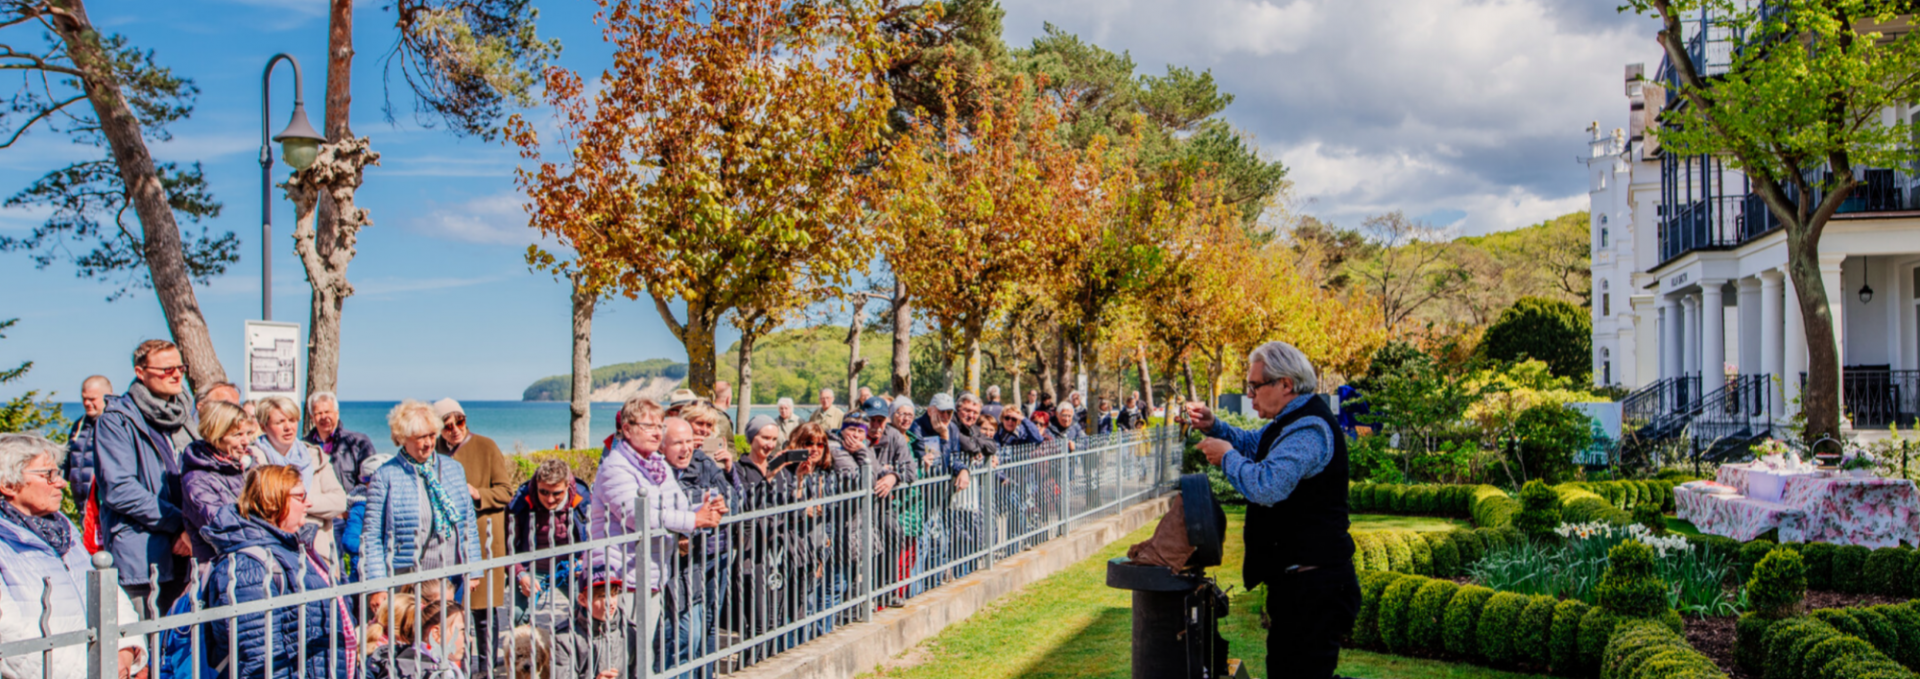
(177, 644)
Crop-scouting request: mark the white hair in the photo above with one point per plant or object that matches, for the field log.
(1280, 360)
(316, 398)
(826, 392)
(784, 401)
(411, 418)
(18, 450)
(993, 391)
(968, 397)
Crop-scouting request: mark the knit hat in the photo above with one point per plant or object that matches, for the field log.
(757, 423)
(941, 401)
(902, 401)
(446, 406)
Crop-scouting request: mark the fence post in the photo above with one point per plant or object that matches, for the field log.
(103, 616)
(644, 589)
(869, 529)
(1066, 491)
(989, 488)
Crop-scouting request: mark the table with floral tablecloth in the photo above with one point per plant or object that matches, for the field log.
(1870, 511)
(1737, 516)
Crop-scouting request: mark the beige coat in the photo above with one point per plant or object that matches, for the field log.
(324, 504)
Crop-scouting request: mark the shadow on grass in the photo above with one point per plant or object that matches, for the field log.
(1101, 649)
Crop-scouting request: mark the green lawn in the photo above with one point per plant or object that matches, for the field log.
(1425, 524)
(1073, 625)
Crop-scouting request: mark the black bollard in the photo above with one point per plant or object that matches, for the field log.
(1176, 613)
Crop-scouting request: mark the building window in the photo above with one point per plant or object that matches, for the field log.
(1606, 304)
(1603, 236)
(1606, 373)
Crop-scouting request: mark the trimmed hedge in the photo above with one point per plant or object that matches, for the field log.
(1460, 626)
(1446, 554)
(1499, 623)
(1491, 507)
(1811, 647)
(1563, 654)
(1887, 569)
(1533, 639)
(1849, 568)
(1539, 510)
(1905, 619)
(1396, 606)
(1595, 629)
(1366, 626)
(1581, 503)
(1631, 587)
(1413, 615)
(1427, 618)
(1747, 635)
(1646, 649)
(1433, 498)
(1751, 553)
(1819, 557)
(1778, 584)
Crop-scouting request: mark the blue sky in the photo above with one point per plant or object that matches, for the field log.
(1465, 111)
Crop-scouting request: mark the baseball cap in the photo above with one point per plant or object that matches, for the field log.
(941, 401)
(876, 407)
(597, 575)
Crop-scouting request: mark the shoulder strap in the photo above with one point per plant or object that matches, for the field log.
(274, 571)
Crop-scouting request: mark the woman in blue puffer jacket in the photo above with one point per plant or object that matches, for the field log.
(261, 558)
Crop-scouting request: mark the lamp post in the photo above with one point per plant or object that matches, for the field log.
(299, 144)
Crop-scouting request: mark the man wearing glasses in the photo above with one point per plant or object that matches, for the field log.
(137, 444)
(1293, 473)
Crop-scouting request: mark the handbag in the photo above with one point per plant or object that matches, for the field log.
(90, 523)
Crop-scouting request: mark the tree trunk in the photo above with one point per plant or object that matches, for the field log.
(1016, 384)
(339, 220)
(166, 261)
(973, 362)
(902, 381)
(855, 364)
(1062, 384)
(339, 105)
(1820, 400)
(1146, 381)
(696, 336)
(747, 338)
(581, 402)
(1186, 365)
(946, 361)
(336, 172)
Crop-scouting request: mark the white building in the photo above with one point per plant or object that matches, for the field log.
(1693, 309)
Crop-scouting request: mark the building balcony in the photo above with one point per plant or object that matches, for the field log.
(1706, 207)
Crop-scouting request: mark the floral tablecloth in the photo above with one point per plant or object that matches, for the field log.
(1868, 511)
(1737, 516)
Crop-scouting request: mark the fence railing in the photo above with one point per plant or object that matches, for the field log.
(793, 559)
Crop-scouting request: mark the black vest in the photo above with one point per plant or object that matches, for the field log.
(1309, 528)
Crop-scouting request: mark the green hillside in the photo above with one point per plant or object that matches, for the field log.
(560, 387)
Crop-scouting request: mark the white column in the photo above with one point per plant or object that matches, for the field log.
(1690, 343)
(1671, 325)
(1794, 345)
(1837, 296)
(1713, 336)
(1748, 311)
(1771, 329)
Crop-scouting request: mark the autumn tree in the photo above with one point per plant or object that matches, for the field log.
(715, 161)
(101, 92)
(1799, 109)
(1409, 267)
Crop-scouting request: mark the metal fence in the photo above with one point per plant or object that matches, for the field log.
(789, 562)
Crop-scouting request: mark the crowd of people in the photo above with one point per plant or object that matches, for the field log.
(205, 500)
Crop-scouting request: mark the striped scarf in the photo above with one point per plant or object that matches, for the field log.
(436, 493)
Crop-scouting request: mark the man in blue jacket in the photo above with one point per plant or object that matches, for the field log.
(78, 467)
(137, 440)
(348, 450)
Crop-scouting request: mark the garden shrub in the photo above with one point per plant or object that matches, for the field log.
(1796, 658)
(1879, 630)
(1648, 649)
(1588, 509)
(1839, 619)
(1906, 624)
(1539, 510)
(1630, 586)
(1748, 635)
(1866, 667)
(1533, 639)
(1422, 554)
(1819, 557)
(1595, 628)
(1460, 623)
(1399, 555)
(1498, 621)
(1563, 647)
(1360, 497)
(1778, 584)
(1469, 545)
(1648, 515)
(1446, 555)
(1508, 536)
(1377, 559)
(1886, 570)
(1426, 620)
(1750, 554)
(1778, 642)
(1849, 568)
(1366, 625)
(1491, 507)
(1822, 654)
(1402, 500)
(1396, 603)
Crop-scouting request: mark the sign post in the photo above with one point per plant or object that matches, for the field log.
(273, 360)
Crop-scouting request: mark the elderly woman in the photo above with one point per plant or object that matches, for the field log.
(1293, 473)
(280, 443)
(41, 560)
(266, 550)
(418, 515)
(213, 469)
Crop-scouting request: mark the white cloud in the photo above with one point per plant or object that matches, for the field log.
(498, 219)
(1375, 105)
(381, 287)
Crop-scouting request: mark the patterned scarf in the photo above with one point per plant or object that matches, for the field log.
(654, 466)
(54, 528)
(436, 493)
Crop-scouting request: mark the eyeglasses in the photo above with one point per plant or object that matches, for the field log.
(645, 426)
(1256, 386)
(300, 497)
(52, 475)
(553, 493)
(455, 421)
(168, 371)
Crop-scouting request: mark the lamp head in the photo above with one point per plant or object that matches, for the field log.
(1866, 294)
(299, 143)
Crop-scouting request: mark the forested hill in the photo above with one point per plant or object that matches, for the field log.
(650, 375)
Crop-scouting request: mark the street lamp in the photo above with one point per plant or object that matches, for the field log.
(300, 145)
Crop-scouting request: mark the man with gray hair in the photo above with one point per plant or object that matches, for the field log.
(78, 466)
(787, 421)
(1293, 473)
(348, 450)
(828, 414)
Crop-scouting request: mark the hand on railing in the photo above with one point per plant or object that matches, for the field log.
(708, 516)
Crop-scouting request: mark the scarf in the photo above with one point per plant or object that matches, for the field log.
(436, 493)
(168, 416)
(53, 528)
(654, 466)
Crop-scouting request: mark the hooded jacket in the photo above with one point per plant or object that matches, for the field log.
(210, 484)
(585, 647)
(237, 576)
(137, 478)
(27, 564)
(534, 528)
(410, 662)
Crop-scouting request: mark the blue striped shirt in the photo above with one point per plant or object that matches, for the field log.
(1302, 451)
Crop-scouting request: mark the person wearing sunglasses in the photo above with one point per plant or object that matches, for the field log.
(490, 487)
(43, 563)
(137, 447)
(1293, 473)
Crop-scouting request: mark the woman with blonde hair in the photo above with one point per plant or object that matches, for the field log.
(279, 443)
(418, 517)
(212, 470)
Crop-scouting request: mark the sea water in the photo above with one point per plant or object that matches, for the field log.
(515, 425)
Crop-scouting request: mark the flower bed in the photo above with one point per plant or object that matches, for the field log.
(1696, 574)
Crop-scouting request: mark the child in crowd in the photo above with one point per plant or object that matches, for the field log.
(597, 642)
(429, 640)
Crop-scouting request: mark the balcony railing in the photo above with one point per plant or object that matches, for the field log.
(1876, 398)
(1731, 214)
